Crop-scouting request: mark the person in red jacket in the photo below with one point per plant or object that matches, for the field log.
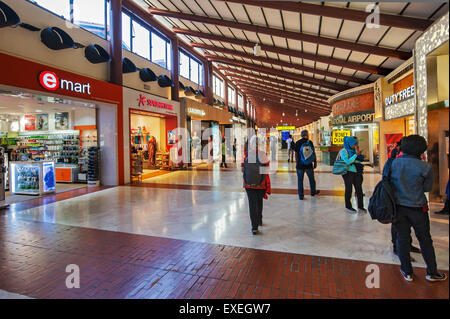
(256, 183)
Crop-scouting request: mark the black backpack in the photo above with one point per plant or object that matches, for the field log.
(252, 172)
(382, 206)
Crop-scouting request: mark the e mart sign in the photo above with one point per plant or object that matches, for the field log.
(50, 81)
(338, 136)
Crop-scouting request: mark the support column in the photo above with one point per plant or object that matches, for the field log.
(175, 73)
(207, 82)
(225, 83)
(116, 42)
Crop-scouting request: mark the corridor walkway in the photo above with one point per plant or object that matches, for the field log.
(187, 234)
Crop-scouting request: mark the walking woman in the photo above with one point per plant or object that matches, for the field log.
(256, 183)
(351, 179)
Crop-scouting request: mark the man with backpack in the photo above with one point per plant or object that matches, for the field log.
(411, 178)
(306, 163)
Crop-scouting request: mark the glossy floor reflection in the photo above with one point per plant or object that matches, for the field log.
(317, 226)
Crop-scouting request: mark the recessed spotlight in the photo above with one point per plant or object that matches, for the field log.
(38, 111)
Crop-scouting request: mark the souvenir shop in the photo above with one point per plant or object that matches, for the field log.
(151, 123)
(51, 133)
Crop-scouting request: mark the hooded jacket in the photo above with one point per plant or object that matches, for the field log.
(348, 154)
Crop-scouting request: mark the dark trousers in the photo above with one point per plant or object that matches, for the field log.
(312, 182)
(223, 162)
(291, 154)
(255, 204)
(394, 234)
(351, 180)
(405, 218)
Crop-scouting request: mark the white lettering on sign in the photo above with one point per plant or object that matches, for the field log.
(50, 81)
(191, 110)
(400, 96)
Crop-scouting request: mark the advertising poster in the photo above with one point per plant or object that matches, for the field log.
(338, 136)
(30, 122)
(62, 121)
(391, 140)
(42, 122)
(171, 137)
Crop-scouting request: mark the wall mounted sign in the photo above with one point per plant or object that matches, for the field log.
(353, 118)
(400, 96)
(30, 122)
(359, 103)
(143, 101)
(285, 128)
(195, 111)
(338, 136)
(50, 81)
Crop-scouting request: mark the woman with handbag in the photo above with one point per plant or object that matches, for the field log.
(345, 166)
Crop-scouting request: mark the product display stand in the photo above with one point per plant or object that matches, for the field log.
(136, 166)
(93, 167)
(162, 160)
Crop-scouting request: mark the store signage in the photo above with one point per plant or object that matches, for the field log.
(400, 96)
(338, 136)
(50, 81)
(143, 101)
(353, 118)
(285, 128)
(195, 111)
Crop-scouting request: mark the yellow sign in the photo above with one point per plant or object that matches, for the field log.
(338, 136)
(286, 128)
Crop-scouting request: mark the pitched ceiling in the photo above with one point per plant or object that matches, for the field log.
(309, 50)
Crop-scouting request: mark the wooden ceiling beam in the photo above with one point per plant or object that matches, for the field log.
(278, 88)
(280, 73)
(293, 53)
(347, 45)
(304, 99)
(295, 66)
(298, 86)
(389, 20)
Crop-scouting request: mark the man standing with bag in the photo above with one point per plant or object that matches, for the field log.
(306, 163)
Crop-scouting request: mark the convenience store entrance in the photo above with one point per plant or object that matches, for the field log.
(49, 144)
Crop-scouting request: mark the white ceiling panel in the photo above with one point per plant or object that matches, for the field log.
(421, 9)
(408, 46)
(296, 60)
(391, 7)
(221, 7)
(251, 36)
(308, 63)
(239, 12)
(207, 7)
(341, 53)
(392, 63)
(266, 39)
(374, 60)
(360, 6)
(272, 55)
(321, 66)
(285, 58)
(273, 18)
(256, 15)
(357, 56)
(361, 74)
(372, 35)
(350, 30)
(291, 20)
(334, 68)
(295, 45)
(309, 47)
(330, 27)
(441, 12)
(325, 50)
(395, 37)
(280, 42)
(347, 71)
(310, 23)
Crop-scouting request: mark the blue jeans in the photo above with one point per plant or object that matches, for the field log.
(312, 181)
(405, 218)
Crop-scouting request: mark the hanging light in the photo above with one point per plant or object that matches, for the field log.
(306, 111)
(256, 50)
(283, 114)
(281, 100)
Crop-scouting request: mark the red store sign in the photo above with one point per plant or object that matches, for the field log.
(50, 81)
(144, 101)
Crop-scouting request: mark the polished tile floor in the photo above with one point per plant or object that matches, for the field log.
(207, 205)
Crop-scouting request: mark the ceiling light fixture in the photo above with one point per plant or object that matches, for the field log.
(281, 100)
(256, 50)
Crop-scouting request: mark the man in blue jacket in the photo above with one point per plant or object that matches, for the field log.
(411, 178)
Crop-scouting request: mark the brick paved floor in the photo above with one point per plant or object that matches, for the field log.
(34, 256)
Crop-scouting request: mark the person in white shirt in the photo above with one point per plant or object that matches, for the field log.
(289, 143)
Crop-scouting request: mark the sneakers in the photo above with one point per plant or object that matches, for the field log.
(362, 210)
(315, 193)
(414, 249)
(406, 276)
(255, 232)
(436, 277)
(350, 210)
(301, 197)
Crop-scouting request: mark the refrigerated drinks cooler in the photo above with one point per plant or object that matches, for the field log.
(32, 178)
